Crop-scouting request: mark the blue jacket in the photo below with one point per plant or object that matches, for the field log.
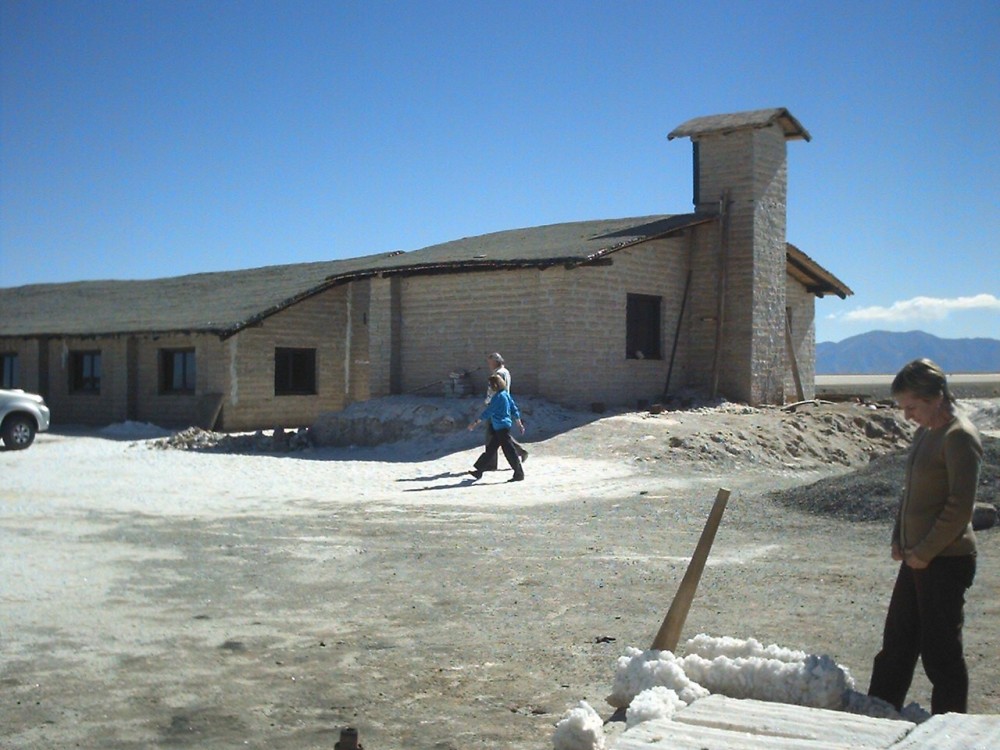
(501, 411)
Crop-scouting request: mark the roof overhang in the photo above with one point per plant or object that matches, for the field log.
(753, 119)
(816, 279)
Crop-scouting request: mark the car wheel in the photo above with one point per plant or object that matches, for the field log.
(18, 432)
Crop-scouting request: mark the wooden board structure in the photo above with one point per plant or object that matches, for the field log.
(740, 724)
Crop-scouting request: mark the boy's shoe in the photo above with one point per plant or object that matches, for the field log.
(476, 474)
(516, 478)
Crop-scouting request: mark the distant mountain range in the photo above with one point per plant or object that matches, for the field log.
(885, 352)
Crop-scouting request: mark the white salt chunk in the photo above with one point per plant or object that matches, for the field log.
(580, 729)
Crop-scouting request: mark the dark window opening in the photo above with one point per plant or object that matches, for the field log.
(11, 376)
(642, 334)
(85, 372)
(294, 372)
(696, 161)
(177, 370)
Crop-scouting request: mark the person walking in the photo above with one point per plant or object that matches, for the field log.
(933, 541)
(497, 367)
(501, 413)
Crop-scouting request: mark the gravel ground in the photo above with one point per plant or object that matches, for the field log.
(871, 493)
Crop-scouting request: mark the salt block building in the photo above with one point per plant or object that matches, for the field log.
(611, 311)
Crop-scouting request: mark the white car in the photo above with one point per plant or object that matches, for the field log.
(21, 416)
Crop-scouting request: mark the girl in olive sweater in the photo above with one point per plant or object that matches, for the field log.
(934, 544)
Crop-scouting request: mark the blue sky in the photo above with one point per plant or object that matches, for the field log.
(148, 139)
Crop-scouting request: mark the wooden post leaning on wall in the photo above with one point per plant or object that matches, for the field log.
(720, 313)
(670, 631)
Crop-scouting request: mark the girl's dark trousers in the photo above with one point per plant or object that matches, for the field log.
(500, 439)
(925, 620)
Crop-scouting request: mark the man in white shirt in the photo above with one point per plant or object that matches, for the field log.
(496, 365)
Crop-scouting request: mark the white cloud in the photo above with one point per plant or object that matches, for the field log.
(922, 308)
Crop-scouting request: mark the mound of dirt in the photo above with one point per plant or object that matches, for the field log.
(735, 437)
(872, 492)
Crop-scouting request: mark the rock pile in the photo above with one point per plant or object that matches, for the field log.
(197, 439)
(872, 492)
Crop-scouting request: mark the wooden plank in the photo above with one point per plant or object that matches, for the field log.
(209, 407)
(790, 348)
(954, 732)
(670, 631)
(783, 720)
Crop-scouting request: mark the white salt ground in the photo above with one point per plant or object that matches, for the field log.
(50, 492)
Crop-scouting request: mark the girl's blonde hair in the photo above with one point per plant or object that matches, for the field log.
(497, 383)
(924, 379)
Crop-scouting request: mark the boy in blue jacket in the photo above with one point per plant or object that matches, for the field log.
(502, 413)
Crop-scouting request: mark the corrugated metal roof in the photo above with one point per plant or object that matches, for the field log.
(224, 302)
(756, 118)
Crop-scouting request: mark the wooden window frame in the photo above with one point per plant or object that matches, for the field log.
(295, 371)
(10, 372)
(188, 374)
(643, 326)
(85, 368)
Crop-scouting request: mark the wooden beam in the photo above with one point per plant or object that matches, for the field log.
(670, 631)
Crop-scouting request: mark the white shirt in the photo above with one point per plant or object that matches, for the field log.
(504, 373)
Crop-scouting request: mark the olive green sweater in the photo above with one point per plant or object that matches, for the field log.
(942, 473)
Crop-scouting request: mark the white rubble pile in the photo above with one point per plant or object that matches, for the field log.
(641, 670)
(655, 703)
(580, 729)
(656, 684)
(197, 439)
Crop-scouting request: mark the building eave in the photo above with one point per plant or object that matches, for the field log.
(816, 279)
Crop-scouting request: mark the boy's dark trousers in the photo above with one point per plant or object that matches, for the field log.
(489, 436)
(500, 439)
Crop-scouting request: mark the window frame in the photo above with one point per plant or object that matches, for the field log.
(643, 326)
(10, 370)
(295, 371)
(79, 381)
(168, 370)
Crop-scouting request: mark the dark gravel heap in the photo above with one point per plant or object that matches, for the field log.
(872, 492)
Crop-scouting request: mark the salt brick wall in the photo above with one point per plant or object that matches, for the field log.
(751, 164)
(175, 409)
(27, 361)
(803, 308)
(87, 408)
(452, 321)
(379, 336)
(700, 319)
(585, 328)
(768, 362)
(240, 368)
(358, 354)
(319, 322)
(562, 331)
